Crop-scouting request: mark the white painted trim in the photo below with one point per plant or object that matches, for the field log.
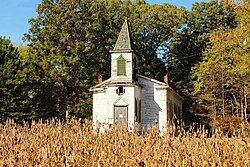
(153, 80)
(98, 85)
(174, 92)
(120, 98)
(162, 85)
(96, 89)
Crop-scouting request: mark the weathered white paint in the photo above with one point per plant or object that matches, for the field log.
(129, 67)
(154, 96)
(100, 112)
(157, 98)
(128, 96)
(105, 101)
(161, 99)
(153, 106)
(176, 100)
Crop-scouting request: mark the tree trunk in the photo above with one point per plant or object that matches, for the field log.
(245, 106)
(241, 108)
(237, 105)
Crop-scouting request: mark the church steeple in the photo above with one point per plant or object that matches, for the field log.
(123, 60)
(123, 42)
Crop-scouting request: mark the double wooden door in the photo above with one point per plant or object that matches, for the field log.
(121, 116)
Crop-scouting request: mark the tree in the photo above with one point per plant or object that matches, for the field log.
(14, 99)
(154, 26)
(40, 91)
(188, 45)
(222, 78)
(72, 40)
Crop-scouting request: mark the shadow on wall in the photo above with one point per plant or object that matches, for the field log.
(149, 107)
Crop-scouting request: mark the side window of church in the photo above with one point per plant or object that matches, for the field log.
(121, 66)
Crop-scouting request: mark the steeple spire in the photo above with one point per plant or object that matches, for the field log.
(123, 42)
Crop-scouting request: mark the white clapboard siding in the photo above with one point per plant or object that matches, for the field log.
(161, 99)
(100, 112)
(154, 96)
(177, 100)
(108, 100)
(152, 104)
(129, 67)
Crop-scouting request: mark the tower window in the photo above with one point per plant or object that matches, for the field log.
(121, 66)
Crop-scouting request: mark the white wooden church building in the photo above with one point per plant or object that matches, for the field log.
(127, 99)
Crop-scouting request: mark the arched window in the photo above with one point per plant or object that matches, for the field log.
(121, 66)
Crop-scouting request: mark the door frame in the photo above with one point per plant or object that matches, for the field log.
(115, 110)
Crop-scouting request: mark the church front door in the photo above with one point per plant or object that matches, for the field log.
(121, 116)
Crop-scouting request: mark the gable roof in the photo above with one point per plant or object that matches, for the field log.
(123, 42)
(153, 80)
(101, 85)
(161, 85)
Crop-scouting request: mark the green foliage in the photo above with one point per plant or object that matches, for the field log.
(72, 40)
(13, 93)
(152, 29)
(188, 45)
(39, 89)
(70, 43)
(222, 78)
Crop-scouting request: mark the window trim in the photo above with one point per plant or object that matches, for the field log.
(121, 61)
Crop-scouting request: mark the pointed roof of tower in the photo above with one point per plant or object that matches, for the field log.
(124, 41)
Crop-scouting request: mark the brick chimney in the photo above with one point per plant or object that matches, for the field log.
(100, 79)
(166, 79)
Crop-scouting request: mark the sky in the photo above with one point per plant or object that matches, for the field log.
(14, 15)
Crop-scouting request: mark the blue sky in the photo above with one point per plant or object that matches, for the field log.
(14, 15)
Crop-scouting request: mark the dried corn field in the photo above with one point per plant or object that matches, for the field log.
(75, 144)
